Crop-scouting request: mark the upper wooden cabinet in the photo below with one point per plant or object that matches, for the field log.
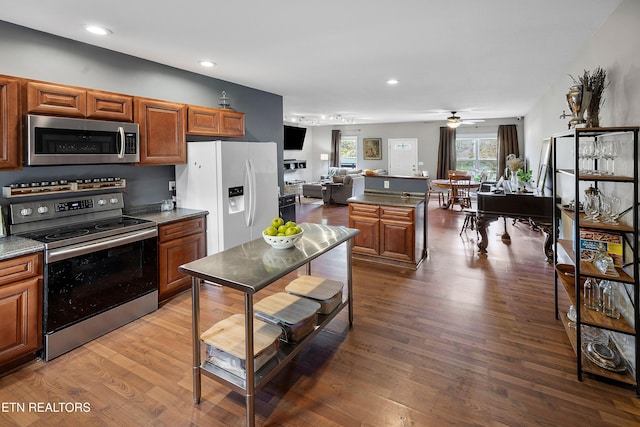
(109, 106)
(10, 135)
(71, 101)
(59, 100)
(231, 123)
(162, 131)
(214, 122)
(203, 121)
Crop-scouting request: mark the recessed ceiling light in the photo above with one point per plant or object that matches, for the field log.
(392, 82)
(207, 63)
(96, 29)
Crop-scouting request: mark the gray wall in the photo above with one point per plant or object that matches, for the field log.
(36, 55)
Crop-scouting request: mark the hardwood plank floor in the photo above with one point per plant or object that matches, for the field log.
(463, 340)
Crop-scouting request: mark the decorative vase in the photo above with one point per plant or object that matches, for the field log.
(515, 181)
(578, 99)
(593, 119)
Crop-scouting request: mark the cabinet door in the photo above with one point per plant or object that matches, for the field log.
(173, 254)
(203, 121)
(59, 100)
(179, 242)
(365, 218)
(162, 132)
(109, 106)
(231, 123)
(397, 233)
(20, 307)
(10, 135)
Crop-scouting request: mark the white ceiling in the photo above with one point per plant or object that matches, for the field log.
(485, 59)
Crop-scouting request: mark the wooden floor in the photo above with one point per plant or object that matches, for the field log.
(464, 340)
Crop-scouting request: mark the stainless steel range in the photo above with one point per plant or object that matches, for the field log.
(100, 266)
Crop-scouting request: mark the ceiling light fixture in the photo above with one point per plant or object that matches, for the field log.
(453, 121)
(392, 82)
(98, 30)
(206, 63)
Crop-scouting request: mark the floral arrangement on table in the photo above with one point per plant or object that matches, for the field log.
(514, 163)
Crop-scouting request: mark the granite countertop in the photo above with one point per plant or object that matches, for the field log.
(13, 246)
(387, 199)
(164, 217)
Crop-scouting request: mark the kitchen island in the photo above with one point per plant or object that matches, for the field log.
(249, 268)
(393, 228)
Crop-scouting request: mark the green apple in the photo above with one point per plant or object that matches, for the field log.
(280, 234)
(291, 231)
(282, 229)
(290, 224)
(298, 229)
(270, 231)
(277, 222)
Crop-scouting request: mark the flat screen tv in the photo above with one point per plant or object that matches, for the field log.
(294, 137)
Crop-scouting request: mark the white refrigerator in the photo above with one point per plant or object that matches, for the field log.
(237, 182)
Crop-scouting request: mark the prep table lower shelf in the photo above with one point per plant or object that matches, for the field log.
(249, 268)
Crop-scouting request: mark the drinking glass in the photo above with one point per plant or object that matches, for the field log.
(610, 209)
(609, 301)
(588, 150)
(591, 207)
(591, 300)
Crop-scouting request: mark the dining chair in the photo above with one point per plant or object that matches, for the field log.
(460, 190)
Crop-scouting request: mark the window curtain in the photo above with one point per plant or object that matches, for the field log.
(334, 160)
(446, 152)
(507, 144)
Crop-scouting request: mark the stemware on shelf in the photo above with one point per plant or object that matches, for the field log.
(591, 205)
(591, 294)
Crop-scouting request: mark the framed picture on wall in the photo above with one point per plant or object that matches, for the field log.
(372, 148)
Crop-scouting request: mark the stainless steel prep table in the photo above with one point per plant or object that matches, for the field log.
(249, 268)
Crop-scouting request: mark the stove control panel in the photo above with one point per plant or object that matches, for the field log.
(98, 206)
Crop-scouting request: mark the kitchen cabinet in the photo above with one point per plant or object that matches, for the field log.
(578, 234)
(56, 100)
(203, 121)
(248, 269)
(109, 106)
(178, 243)
(20, 309)
(231, 123)
(10, 129)
(162, 131)
(389, 234)
(214, 122)
(70, 101)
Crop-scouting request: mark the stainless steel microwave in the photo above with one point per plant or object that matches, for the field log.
(67, 141)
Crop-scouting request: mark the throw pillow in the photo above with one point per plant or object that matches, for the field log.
(338, 179)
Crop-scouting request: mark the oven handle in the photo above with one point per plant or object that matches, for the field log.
(71, 251)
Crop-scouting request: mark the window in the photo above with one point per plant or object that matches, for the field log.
(348, 151)
(477, 154)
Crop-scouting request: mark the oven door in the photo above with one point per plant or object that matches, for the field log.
(84, 280)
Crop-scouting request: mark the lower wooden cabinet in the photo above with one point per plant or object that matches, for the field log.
(178, 243)
(20, 309)
(389, 233)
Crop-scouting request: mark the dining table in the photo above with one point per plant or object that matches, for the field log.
(446, 184)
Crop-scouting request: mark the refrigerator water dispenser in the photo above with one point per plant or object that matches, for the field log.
(236, 199)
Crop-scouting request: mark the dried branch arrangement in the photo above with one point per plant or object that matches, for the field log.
(595, 82)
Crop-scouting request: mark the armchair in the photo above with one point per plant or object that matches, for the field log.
(352, 185)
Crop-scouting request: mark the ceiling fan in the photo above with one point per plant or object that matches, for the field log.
(454, 121)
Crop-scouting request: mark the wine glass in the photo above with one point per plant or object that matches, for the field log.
(588, 150)
(591, 207)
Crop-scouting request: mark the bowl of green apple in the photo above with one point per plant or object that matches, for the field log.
(281, 234)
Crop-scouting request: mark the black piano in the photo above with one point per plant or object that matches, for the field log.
(533, 207)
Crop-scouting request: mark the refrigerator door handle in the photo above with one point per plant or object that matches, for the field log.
(252, 193)
(247, 186)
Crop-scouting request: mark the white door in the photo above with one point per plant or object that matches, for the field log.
(403, 156)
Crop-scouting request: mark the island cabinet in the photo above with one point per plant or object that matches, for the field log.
(71, 101)
(162, 131)
(179, 242)
(393, 234)
(20, 309)
(10, 135)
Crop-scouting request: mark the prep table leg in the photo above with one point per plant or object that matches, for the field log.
(251, 382)
(195, 313)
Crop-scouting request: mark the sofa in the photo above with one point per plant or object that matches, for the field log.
(345, 188)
